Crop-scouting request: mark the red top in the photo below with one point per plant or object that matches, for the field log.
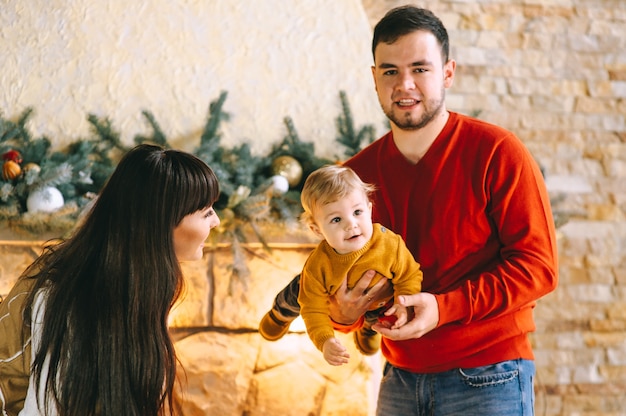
(475, 213)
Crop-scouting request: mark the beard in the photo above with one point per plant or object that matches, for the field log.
(406, 121)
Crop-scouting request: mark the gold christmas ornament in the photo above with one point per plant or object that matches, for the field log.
(11, 170)
(32, 166)
(288, 167)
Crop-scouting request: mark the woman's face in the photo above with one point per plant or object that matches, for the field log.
(192, 232)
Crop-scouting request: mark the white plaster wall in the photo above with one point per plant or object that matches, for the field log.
(115, 58)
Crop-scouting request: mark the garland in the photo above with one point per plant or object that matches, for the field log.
(44, 192)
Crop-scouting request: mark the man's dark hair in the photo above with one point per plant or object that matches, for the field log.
(403, 20)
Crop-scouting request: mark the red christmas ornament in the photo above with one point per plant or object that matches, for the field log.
(12, 155)
(387, 321)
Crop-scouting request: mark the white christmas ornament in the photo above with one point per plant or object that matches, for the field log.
(46, 199)
(281, 184)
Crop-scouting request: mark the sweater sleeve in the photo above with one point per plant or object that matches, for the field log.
(313, 300)
(525, 264)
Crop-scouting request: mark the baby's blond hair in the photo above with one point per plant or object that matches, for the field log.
(329, 184)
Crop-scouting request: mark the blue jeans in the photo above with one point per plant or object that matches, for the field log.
(504, 388)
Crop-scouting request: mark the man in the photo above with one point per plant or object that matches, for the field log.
(471, 204)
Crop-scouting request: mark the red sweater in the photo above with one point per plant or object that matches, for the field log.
(475, 213)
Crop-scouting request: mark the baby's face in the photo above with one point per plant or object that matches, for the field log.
(346, 224)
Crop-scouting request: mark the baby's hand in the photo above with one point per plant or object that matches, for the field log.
(394, 317)
(334, 352)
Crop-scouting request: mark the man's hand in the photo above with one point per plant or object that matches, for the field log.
(425, 320)
(348, 305)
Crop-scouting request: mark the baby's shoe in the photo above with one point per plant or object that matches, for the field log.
(367, 341)
(273, 328)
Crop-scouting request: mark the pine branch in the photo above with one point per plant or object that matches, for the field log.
(12, 132)
(21, 124)
(110, 138)
(348, 136)
(158, 137)
(216, 116)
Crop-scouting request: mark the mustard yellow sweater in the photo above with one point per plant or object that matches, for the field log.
(325, 270)
(15, 349)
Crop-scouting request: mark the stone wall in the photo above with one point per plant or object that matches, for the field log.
(232, 370)
(554, 72)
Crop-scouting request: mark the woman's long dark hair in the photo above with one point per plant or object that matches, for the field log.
(110, 287)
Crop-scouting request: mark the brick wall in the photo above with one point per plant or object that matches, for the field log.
(554, 72)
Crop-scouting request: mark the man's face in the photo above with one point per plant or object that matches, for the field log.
(411, 79)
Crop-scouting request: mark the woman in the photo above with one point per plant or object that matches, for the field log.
(97, 304)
